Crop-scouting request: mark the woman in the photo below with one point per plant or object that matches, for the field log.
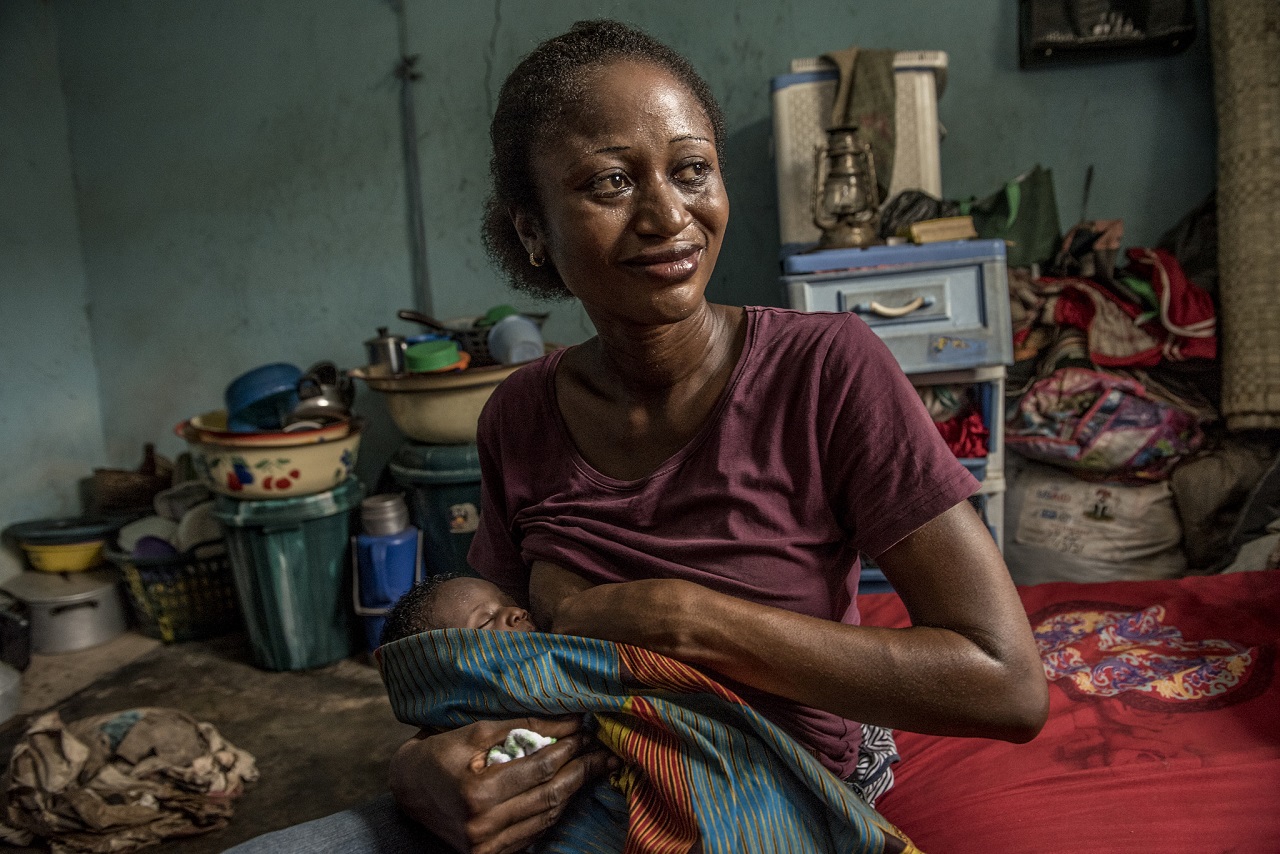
(636, 456)
(699, 479)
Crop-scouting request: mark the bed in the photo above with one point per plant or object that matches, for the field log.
(1163, 731)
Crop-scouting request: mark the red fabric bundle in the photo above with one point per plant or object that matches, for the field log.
(1183, 327)
(965, 435)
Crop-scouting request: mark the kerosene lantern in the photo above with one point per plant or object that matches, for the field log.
(846, 199)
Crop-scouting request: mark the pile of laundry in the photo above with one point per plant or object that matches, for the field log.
(1102, 389)
(1116, 384)
(120, 782)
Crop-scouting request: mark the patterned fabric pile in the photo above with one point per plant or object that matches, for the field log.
(120, 782)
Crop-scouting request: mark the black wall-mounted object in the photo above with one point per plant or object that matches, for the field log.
(1060, 32)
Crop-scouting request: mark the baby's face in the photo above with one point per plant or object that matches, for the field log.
(473, 603)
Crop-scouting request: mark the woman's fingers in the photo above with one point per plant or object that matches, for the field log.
(503, 790)
(558, 727)
(544, 784)
(442, 782)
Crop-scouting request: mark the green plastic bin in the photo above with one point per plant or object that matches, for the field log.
(288, 559)
(442, 489)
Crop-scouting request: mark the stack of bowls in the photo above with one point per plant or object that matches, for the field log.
(64, 545)
(271, 463)
(261, 399)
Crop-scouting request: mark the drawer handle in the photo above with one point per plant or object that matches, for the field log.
(885, 311)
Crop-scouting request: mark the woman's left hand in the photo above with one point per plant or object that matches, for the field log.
(652, 613)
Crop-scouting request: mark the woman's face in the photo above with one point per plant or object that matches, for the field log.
(633, 205)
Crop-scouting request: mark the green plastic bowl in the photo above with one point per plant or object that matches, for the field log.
(431, 356)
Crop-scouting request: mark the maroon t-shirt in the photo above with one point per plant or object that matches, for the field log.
(819, 449)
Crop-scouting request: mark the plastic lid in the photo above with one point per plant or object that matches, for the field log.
(287, 511)
(61, 587)
(55, 532)
(431, 355)
(498, 312)
(422, 463)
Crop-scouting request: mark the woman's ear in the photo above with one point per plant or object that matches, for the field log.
(530, 232)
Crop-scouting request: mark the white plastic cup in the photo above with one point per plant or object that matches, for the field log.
(515, 339)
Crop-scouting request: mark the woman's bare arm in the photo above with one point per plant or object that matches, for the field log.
(549, 587)
(968, 665)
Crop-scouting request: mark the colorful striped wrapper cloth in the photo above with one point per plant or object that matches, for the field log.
(702, 771)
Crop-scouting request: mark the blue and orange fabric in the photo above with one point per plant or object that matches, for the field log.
(702, 772)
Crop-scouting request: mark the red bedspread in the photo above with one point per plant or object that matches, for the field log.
(1163, 732)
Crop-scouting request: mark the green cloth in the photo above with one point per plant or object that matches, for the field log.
(866, 97)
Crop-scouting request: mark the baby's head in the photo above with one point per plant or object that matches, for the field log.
(453, 601)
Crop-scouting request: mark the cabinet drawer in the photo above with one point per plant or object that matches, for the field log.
(935, 310)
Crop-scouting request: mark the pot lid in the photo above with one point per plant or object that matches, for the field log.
(36, 587)
(53, 532)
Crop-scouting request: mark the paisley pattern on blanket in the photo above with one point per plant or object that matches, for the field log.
(1135, 657)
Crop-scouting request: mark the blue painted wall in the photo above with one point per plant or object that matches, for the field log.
(50, 421)
(239, 182)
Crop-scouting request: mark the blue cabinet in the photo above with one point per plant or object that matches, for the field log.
(938, 307)
(943, 311)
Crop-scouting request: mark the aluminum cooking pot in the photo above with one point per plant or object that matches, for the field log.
(70, 611)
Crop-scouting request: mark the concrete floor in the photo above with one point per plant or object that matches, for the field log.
(321, 737)
(50, 679)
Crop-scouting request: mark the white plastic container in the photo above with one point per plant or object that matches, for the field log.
(802, 108)
(515, 339)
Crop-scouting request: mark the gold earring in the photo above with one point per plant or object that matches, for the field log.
(536, 261)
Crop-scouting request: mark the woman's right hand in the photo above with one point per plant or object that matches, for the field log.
(441, 782)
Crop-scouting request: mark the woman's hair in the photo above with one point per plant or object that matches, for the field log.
(411, 614)
(540, 93)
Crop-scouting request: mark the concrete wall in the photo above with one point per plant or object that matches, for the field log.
(240, 192)
(240, 187)
(50, 421)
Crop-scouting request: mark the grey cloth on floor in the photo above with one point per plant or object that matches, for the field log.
(120, 781)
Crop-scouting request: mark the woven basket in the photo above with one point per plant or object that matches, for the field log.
(1246, 70)
(475, 339)
(188, 597)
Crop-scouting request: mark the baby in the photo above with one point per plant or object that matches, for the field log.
(454, 601)
(693, 735)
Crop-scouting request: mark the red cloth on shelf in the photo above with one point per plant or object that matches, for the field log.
(1184, 327)
(965, 435)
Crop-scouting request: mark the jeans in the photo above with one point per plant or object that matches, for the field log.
(374, 827)
(378, 826)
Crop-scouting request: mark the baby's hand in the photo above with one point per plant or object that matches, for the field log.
(519, 743)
